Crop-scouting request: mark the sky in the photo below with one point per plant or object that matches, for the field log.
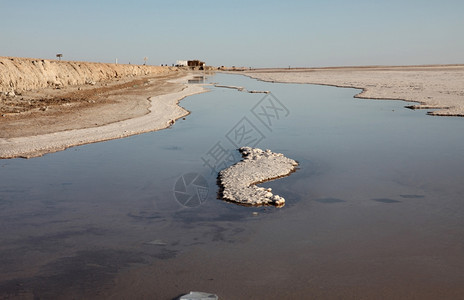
(252, 33)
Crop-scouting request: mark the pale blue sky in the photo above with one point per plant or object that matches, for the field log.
(242, 33)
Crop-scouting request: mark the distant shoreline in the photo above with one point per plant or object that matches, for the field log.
(437, 88)
(433, 66)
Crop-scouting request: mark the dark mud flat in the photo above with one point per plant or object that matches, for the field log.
(375, 210)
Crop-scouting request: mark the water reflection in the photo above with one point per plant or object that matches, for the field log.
(197, 79)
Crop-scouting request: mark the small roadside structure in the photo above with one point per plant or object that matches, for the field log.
(193, 64)
(196, 63)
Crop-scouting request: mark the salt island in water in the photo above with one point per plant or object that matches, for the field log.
(238, 182)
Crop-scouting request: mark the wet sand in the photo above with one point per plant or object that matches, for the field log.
(438, 88)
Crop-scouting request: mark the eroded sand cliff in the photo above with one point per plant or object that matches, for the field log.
(25, 74)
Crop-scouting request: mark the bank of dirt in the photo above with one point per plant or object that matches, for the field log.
(77, 107)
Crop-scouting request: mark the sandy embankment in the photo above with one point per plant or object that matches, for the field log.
(438, 87)
(24, 74)
(109, 101)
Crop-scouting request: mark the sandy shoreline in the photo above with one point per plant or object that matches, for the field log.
(163, 110)
(438, 87)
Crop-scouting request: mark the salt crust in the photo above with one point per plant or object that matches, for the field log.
(238, 182)
(437, 87)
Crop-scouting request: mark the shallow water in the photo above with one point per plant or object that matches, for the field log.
(374, 211)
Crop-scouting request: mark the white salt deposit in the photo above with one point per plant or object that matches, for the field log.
(238, 182)
(434, 87)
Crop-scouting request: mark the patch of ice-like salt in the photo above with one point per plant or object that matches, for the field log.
(238, 182)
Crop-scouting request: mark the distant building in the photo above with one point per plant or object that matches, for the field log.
(195, 63)
(181, 63)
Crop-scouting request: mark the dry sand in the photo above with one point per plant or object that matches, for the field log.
(148, 104)
(75, 107)
(439, 88)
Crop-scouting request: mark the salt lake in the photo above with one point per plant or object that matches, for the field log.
(375, 209)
